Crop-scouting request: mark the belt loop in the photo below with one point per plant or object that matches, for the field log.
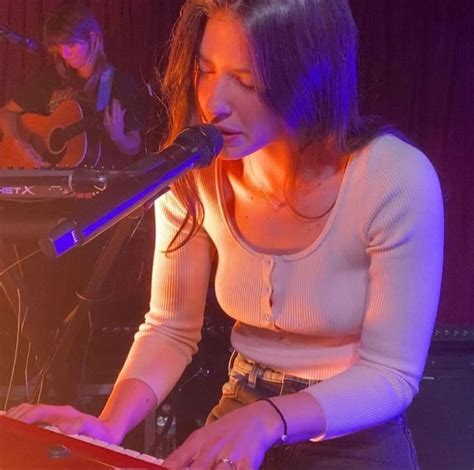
(232, 358)
(282, 386)
(252, 380)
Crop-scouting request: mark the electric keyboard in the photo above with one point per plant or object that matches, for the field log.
(29, 446)
(52, 184)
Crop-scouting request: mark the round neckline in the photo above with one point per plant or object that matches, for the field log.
(285, 256)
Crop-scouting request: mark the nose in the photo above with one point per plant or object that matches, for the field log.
(219, 99)
(65, 51)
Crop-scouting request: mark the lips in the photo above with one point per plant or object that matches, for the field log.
(74, 62)
(231, 136)
(228, 131)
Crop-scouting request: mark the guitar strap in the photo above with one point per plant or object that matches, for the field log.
(105, 88)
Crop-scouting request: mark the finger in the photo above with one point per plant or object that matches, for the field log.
(116, 104)
(17, 411)
(38, 159)
(225, 464)
(50, 414)
(107, 115)
(77, 425)
(111, 108)
(181, 458)
(120, 111)
(44, 164)
(28, 413)
(217, 462)
(118, 114)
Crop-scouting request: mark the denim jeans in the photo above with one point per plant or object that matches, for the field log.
(388, 446)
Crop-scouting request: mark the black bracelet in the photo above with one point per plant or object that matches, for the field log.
(284, 436)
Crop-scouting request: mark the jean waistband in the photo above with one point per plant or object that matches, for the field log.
(245, 366)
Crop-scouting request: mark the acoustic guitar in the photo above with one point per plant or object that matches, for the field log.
(64, 138)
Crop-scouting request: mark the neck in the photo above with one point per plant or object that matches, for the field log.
(85, 72)
(272, 168)
(271, 165)
(270, 175)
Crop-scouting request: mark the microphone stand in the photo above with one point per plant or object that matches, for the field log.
(138, 185)
(126, 221)
(55, 366)
(31, 45)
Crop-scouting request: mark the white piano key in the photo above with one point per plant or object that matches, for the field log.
(99, 443)
(52, 428)
(150, 458)
(131, 452)
(115, 448)
(82, 437)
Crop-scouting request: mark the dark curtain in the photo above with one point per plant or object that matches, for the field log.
(416, 71)
(416, 65)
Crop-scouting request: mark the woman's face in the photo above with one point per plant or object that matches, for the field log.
(75, 54)
(226, 91)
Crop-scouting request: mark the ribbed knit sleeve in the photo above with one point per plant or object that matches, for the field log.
(167, 339)
(399, 206)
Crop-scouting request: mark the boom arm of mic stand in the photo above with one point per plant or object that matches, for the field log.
(112, 205)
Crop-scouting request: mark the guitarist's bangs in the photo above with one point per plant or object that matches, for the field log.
(70, 23)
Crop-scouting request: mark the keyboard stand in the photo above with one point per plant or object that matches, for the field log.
(78, 316)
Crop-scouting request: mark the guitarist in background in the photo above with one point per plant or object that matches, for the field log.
(74, 41)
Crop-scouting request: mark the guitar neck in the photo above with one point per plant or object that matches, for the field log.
(80, 126)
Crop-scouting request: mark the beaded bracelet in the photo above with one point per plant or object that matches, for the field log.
(284, 436)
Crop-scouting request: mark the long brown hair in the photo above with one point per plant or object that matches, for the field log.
(303, 57)
(73, 22)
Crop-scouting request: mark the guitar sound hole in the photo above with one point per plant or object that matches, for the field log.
(56, 141)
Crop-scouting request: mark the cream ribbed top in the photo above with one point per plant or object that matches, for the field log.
(355, 309)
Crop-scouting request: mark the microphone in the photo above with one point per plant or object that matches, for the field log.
(31, 45)
(135, 186)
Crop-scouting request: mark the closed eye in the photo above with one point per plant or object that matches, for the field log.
(245, 82)
(203, 71)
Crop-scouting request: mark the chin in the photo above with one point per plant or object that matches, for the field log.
(235, 153)
(225, 156)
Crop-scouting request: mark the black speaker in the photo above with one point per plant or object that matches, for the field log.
(442, 415)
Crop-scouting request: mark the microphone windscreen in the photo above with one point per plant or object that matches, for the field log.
(206, 138)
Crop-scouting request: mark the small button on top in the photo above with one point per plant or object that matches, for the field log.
(58, 451)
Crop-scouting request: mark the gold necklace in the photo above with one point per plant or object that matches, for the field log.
(276, 204)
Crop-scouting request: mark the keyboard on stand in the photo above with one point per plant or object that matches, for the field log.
(29, 446)
(52, 184)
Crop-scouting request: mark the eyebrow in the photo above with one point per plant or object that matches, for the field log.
(209, 62)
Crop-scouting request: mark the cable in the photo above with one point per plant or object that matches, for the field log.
(15, 355)
(27, 383)
(19, 261)
(85, 356)
(40, 391)
(17, 257)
